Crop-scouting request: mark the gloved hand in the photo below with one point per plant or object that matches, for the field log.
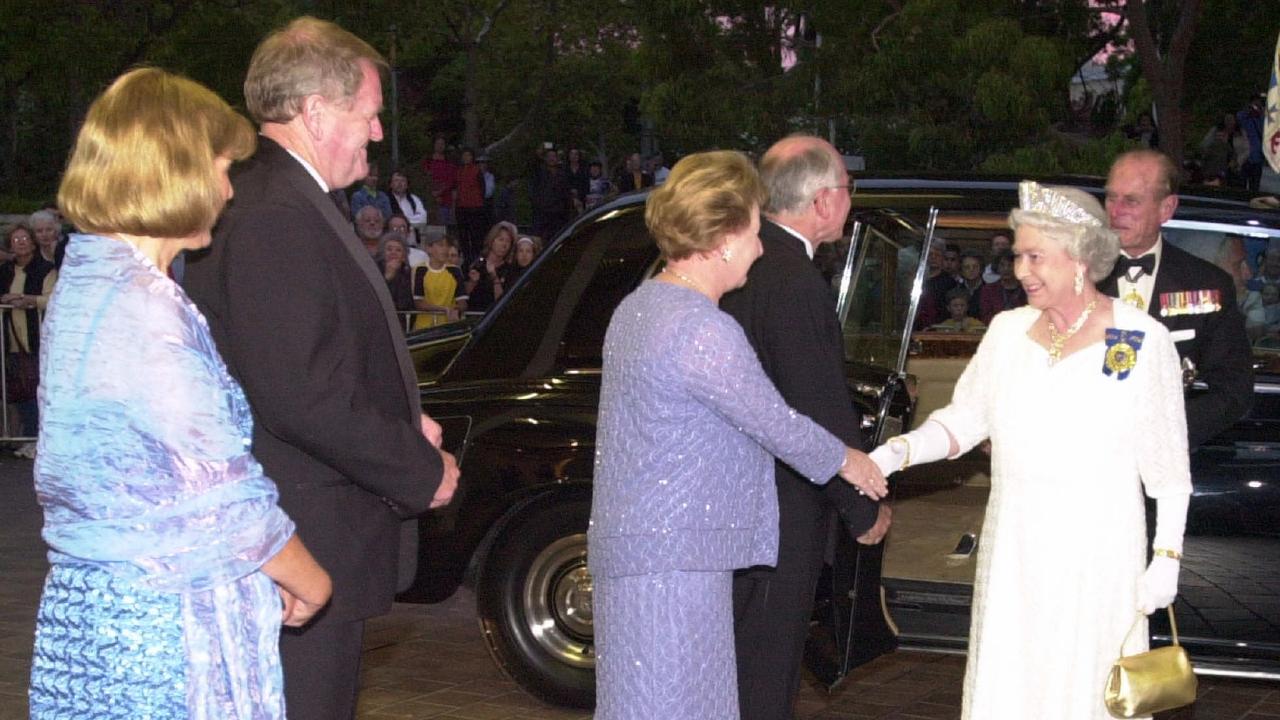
(888, 457)
(1158, 586)
(927, 443)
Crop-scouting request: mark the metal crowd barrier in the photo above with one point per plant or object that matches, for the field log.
(407, 316)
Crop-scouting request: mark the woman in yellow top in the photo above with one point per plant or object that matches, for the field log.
(437, 288)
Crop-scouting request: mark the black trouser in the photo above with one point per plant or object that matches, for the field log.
(772, 607)
(322, 670)
(473, 224)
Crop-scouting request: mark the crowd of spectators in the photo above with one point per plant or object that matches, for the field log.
(31, 255)
(456, 248)
(1230, 153)
(963, 290)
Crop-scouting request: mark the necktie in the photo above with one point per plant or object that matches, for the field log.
(1145, 264)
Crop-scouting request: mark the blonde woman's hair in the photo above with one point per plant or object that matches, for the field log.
(498, 229)
(143, 163)
(305, 57)
(707, 196)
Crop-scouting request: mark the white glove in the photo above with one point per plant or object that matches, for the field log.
(1158, 586)
(927, 443)
(1171, 522)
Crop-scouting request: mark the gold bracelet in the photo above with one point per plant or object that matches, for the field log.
(1166, 552)
(906, 452)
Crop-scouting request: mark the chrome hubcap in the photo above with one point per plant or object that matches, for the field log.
(557, 601)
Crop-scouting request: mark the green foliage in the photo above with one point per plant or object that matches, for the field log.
(1060, 155)
(911, 84)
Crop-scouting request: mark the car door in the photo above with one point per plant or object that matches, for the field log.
(877, 276)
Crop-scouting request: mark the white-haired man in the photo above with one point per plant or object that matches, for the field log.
(305, 322)
(789, 314)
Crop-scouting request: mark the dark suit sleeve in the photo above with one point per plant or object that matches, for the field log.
(795, 331)
(1224, 366)
(296, 361)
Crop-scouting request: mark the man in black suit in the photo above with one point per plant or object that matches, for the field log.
(789, 315)
(304, 321)
(1194, 298)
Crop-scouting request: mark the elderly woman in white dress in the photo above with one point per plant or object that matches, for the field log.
(1081, 397)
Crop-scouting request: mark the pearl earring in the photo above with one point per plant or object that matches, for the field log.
(1079, 283)
(726, 254)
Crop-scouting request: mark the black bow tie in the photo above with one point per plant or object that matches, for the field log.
(1147, 263)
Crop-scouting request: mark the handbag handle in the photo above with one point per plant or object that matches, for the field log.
(1173, 627)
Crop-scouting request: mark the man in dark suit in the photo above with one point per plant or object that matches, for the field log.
(304, 321)
(1194, 298)
(789, 315)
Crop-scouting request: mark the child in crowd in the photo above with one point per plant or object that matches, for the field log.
(958, 309)
(437, 286)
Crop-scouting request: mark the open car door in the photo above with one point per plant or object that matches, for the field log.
(878, 276)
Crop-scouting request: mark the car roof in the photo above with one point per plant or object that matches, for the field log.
(998, 193)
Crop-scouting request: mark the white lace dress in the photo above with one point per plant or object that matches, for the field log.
(1063, 543)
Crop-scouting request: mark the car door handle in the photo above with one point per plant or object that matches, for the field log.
(965, 547)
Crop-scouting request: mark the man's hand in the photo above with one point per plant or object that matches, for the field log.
(884, 518)
(431, 431)
(448, 480)
(861, 472)
(297, 612)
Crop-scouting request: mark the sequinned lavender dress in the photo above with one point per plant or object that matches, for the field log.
(157, 516)
(683, 494)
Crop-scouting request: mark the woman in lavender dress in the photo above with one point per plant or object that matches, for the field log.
(689, 426)
(172, 567)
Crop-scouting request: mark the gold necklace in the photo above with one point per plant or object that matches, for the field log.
(688, 280)
(1057, 340)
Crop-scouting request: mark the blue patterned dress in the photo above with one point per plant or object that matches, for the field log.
(157, 516)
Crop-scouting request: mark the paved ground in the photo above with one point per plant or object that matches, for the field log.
(430, 662)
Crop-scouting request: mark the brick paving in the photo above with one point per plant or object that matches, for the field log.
(429, 661)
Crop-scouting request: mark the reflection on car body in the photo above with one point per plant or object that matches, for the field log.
(516, 394)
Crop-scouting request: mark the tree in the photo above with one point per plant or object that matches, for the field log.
(1164, 66)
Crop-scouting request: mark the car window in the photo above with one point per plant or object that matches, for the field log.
(556, 318)
(877, 305)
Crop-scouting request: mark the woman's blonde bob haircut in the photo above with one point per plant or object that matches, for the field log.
(143, 163)
(707, 196)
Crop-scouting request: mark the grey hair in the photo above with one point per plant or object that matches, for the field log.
(793, 181)
(42, 216)
(1094, 245)
(392, 236)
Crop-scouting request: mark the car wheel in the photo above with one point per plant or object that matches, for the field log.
(534, 600)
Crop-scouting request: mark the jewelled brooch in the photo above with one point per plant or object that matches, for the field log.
(1122, 352)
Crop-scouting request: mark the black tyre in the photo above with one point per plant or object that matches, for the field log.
(533, 594)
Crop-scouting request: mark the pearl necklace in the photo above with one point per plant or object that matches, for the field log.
(1057, 340)
(688, 280)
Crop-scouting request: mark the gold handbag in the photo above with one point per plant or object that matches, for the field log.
(1152, 681)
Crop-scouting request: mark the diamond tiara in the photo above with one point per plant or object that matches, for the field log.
(1036, 198)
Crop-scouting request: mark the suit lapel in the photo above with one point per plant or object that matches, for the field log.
(306, 186)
